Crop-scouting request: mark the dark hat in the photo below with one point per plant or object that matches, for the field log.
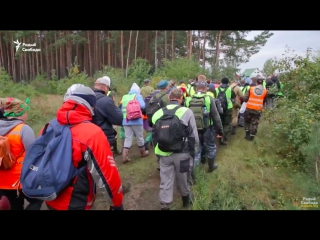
(146, 80)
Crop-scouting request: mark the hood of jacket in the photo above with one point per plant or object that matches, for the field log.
(8, 124)
(72, 112)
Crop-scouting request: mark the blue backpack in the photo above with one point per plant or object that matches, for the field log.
(48, 167)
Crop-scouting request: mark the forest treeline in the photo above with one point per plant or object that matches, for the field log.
(95, 49)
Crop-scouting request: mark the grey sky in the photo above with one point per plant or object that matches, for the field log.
(275, 47)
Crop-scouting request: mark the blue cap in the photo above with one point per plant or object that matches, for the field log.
(248, 81)
(163, 84)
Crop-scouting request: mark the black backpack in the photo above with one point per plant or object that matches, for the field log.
(223, 98)
(153, 105)
(169, 132)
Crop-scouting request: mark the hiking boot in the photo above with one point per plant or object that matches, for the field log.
(125, 155)
(212, 165)
(186, 201)
(122, 144)
(146, 146)
(233, 130)
(115, 149)
(247, 137)
(251, 138)
(143, 151)
(222, 142)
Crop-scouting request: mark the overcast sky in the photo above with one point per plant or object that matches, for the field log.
(275, 46)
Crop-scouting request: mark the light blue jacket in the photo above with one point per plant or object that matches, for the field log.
(137, 122)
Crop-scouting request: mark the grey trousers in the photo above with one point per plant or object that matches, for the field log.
(177, 165)
(129, 132)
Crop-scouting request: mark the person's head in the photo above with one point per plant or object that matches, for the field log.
(201, 87)
(202, 78)
(163, 85)
(259, 81)
(242, 81)
(172, 83)
(83, 95)
(103, 84)
(208, 81)
(190, 81)
(247, 81)
(211, 88)
(176, 95)
(225, 80)
(181, 82)
(254, 80)
(15, 108)
(146, 81)
(135, 88)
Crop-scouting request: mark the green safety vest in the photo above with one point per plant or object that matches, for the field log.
(125, 99)
(207, 103)
(210, 94)
(157, 115)
(192, 91)
(264, 83)
(280, 91)
(228, 95)
(245, 89)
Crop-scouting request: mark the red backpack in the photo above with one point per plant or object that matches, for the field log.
(133, 109)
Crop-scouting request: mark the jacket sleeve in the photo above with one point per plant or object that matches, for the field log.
(109, 110)
(214, 114)
(103, 169)
(139, 98)
(27, 136)
(246, 97)
(192, 132)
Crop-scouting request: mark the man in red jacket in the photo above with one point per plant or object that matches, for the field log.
(91, 147)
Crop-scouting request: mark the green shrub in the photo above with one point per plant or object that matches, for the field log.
(291, 121)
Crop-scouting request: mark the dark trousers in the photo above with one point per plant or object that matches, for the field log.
(17, 202)
(251, 122)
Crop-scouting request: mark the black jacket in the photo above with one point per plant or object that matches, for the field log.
(106, 115)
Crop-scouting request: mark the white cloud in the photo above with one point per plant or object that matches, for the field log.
(275, 47)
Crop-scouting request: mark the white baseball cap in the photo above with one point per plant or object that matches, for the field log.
(104, 80)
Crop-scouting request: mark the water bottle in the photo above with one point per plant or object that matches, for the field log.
(205, 116)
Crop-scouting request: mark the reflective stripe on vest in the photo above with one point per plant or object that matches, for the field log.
(109, 92)
(255, 101)
(9, 179)
(125, 99)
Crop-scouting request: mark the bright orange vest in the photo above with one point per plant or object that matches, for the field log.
(9, 179)
(255, 102)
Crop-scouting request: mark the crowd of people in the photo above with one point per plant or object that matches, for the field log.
(182, 123)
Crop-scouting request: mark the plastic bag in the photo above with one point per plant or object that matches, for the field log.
(243, 107)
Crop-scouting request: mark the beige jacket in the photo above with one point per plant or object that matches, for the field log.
(239, 94)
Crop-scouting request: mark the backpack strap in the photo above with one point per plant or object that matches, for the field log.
(167, 111)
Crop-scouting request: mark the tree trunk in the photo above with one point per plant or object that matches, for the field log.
(190, 43)
(136, 46)
(155, 51)
(204, 49)
(199, 45)
(165, 44)
(172, 46)
(128, 55)
(121, 48)
(218, 49)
